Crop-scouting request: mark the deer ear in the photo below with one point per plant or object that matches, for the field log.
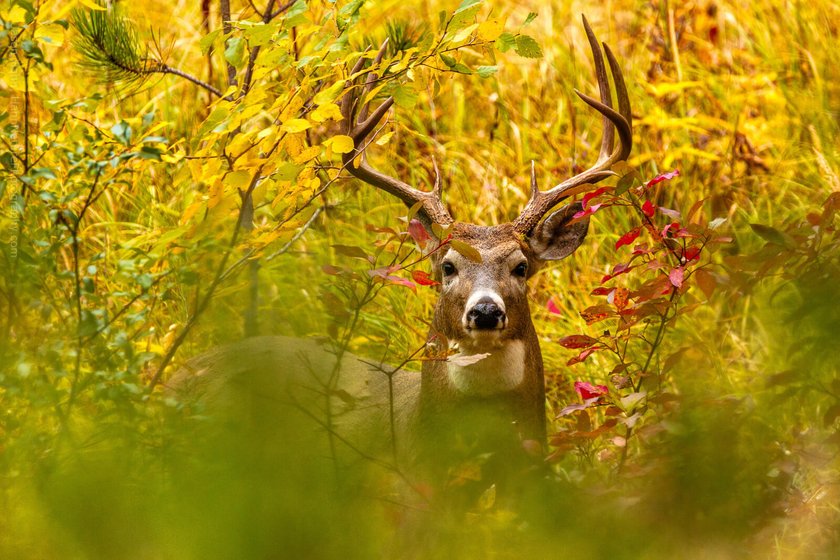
(554, 238)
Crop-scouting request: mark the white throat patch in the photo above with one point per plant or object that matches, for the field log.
(503, 370)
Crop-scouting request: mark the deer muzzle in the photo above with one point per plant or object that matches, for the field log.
(485, 311)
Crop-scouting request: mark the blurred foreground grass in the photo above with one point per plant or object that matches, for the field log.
(744, 463)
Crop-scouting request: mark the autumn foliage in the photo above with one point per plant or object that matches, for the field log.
(171, 180)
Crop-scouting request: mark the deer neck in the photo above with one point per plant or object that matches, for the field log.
(509, 379)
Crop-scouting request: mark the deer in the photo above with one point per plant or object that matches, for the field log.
(496, 404)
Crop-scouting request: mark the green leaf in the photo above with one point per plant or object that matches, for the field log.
(626, 182)
(260, 34)
(297, 14)
(486, 71)
(466, 4)
(405, 96)
(350, 251)
(772, 235)
(8, 161)
(466, 249)
(206, 42)
(505, 42)
(531, 17)
(150, 152)
(448, 60)
(235, 52)
(123, 132)
(464, 15)
(526, 46)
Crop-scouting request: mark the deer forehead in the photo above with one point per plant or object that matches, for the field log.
(496, 244)
(492, 258)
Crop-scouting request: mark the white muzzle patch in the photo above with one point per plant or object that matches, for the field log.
(474, 299)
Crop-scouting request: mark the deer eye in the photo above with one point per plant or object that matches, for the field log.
(521, 269)
(448, 269)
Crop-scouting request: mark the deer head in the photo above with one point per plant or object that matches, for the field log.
(483, 305)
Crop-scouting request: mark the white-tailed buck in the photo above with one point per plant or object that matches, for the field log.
(492, 406)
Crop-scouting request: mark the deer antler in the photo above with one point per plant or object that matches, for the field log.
(542, 201)
(360, 127)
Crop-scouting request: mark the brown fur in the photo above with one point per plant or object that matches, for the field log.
(435, 424)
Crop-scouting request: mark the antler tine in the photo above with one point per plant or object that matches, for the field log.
(542, 201)
(603, 87)
(360, 127)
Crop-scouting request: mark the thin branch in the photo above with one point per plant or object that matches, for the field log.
(166, 69)
(285, 248)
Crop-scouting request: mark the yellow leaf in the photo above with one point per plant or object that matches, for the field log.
(51, 34)
(15, 15)
(326, 112)
(293, 144)
(466, 250)
(373, 93)
(465, 33)
(702, 154)
(382, 140)
(191, 211)
(13, 78)
(295, 125)
(328, 95)
(217, 192)
(92, 5)
(293, 107)
(267, 131)
(250, 111)
(341, 144)
(238, 179)
(238, 145)
(661, 90)
(266, 238)
(490, 30)
(307, 155)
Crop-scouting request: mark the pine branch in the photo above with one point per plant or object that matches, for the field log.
(112, 52)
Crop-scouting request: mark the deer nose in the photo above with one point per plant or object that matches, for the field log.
(486, 314)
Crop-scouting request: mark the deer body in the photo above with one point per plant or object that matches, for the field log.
(453, 409)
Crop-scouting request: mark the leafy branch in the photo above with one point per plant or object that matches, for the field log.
(111, 50)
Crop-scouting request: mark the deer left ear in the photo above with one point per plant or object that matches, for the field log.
(554, 238)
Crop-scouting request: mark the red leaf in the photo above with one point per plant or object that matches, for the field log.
(603, 291)
(401, 282)
(418, 232)
(331, 270)
(648, 208)
(383, 272)
(590, 391)
(663, 177)
(628, 237)
(618, 269)
(676, 277)
(706, 281)
(552, 307)
(589, 196)
(581, 357)
(620, 298)
(577, 341)
(422, 278)
(673, 227)
(692, 253)
(596, 313)
(587, 212)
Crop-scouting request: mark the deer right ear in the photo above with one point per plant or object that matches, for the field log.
(554, 238)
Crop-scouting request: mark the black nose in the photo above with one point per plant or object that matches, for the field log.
(486, 315)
